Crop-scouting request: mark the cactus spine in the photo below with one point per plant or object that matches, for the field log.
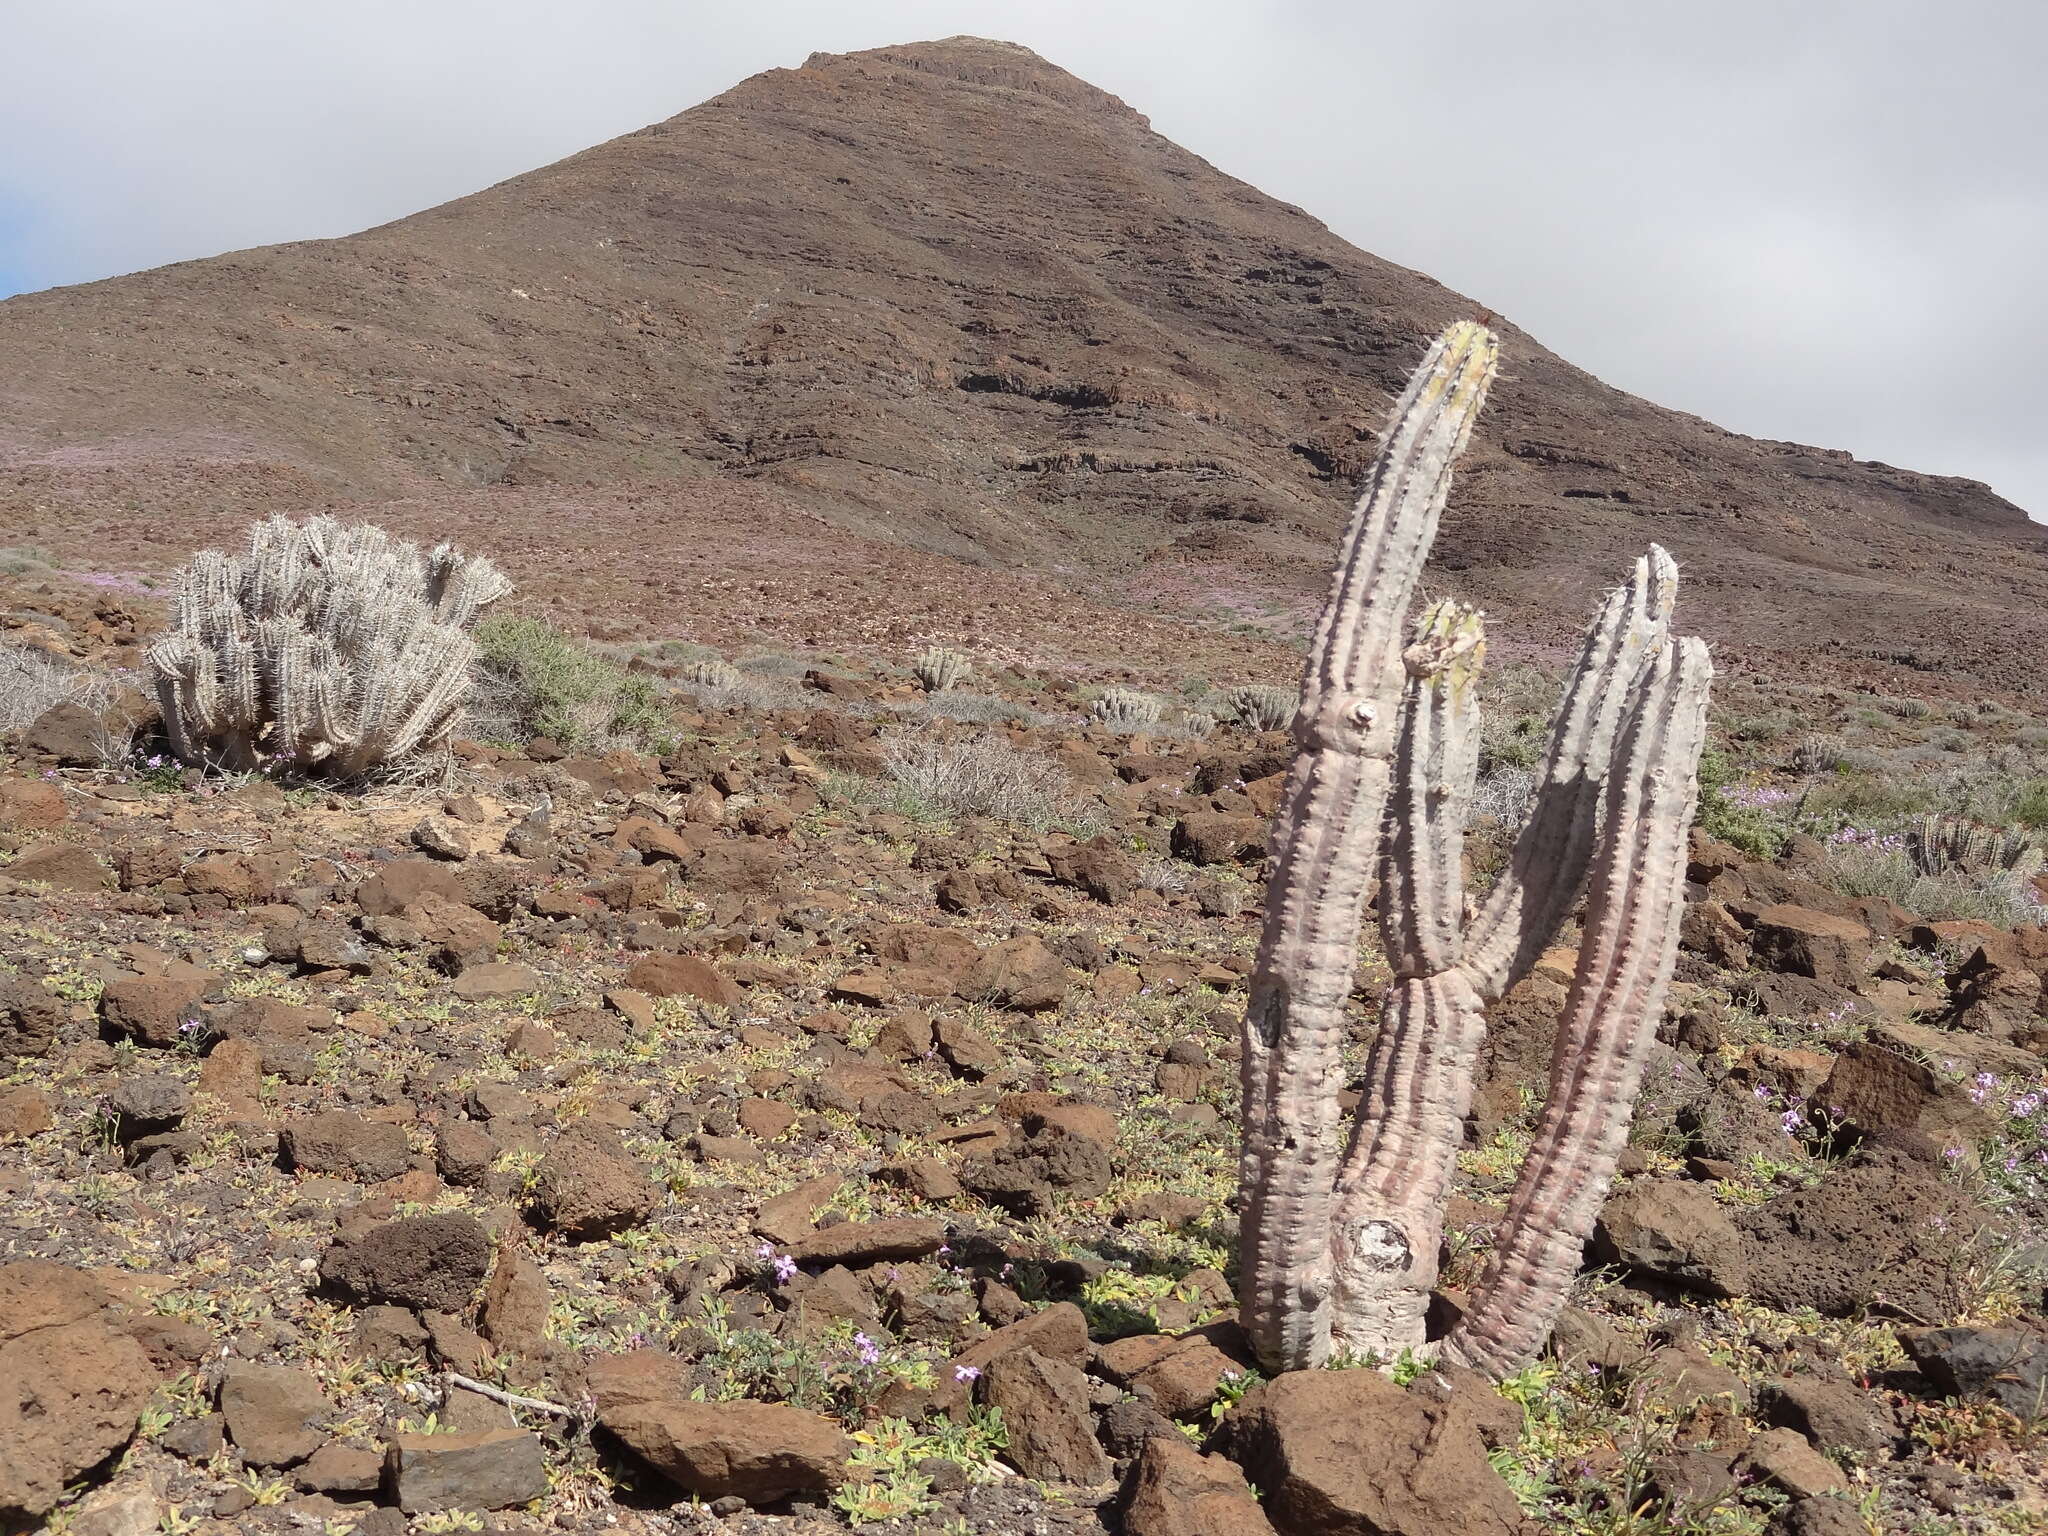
(1345, 1249)
(336, 647)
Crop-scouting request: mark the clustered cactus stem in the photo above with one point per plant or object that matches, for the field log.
(938, 669)
(1945, 845)
(337, 648)
(1342, 1251)
(1261, 706)
(1126, 709)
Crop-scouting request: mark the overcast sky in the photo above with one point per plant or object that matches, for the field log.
(1822, 220)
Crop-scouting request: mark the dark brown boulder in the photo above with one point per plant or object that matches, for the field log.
(60, 866)
(1101, 868)
(1045, 1408)
(1809, 943)
(1882, 1231)
(896, 1239)
(1675, 1231)
(1175, 1490)
(72, 1387)
(434, 1263)
(28, 1019)
(75, 736)
(1020, 973)
(683, 976)
(1876, 1090)
(484, 1469)
(344, 1144)
(397, 885)
(273, 1413)
(587, 1187)
(151, 1010)
(1349, 1453)
(760, 1452)
(1219, 837)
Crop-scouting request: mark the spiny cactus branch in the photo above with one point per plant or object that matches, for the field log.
(1635, 901)
(1547, 866)
(1323, 844)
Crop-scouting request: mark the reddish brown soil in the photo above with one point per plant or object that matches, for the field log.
(941, 298)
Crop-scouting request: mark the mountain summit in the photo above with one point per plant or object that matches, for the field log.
(943, 298)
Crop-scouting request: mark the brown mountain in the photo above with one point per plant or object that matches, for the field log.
(941, 341)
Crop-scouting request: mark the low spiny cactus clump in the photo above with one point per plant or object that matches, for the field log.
(339, 649)
(1126, 709)
(1950, 845)
(1816, 754)
(1340, 1244)
(714, 672)
(1261, 707)
(938, 669)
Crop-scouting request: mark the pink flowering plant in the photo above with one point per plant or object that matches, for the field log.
(2013, 1158)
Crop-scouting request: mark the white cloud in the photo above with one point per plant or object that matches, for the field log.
(1817, 222)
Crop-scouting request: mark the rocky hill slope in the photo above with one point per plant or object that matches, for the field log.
(945, 297)
(810, 1146)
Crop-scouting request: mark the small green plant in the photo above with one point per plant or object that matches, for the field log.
(890, 1496)
(533, 680)
(1724, 817)
(268, 1490)
(160, 775)
(2030, 805)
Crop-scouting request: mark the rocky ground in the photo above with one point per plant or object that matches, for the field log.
(828, 1119)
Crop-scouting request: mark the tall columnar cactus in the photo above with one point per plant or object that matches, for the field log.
(1340, 1245)
(337, 647)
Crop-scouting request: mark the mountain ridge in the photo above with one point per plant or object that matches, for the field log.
(949, 297)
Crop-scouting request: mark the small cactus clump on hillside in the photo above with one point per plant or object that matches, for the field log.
(1950, 845)
(715, 672)
(1261, 707)
(1815, 754)
(337, 648)
(938, 669)
(1126, 709)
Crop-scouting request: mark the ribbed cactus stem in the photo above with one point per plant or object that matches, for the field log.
(1547, 866)
(1323, 857)
(938, 669)
(1349, 1249)
(1634, 903)
(1397, 1170)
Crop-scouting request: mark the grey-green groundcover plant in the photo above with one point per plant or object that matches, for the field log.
(1340, 1244)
